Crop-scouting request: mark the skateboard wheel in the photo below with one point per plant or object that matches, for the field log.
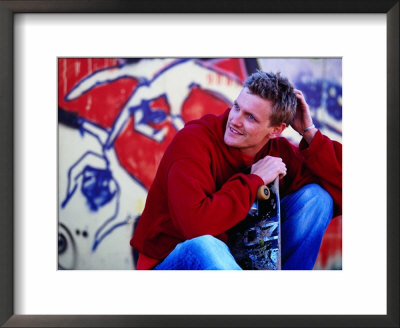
(263, 193)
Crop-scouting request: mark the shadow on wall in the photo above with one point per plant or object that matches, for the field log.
(116, 118)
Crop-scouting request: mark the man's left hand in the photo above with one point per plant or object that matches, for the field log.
(302, 120)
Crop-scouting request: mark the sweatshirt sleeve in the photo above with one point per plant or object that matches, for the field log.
(197, 208)
(320, 162)
(323, 157)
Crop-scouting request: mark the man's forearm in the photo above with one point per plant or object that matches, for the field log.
(309, 135)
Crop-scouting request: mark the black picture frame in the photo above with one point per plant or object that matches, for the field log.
(7, 11)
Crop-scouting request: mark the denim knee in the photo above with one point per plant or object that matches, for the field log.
(315, 193)
(323, 197)
(211, 253)
(314, 190)
(205, 241)
(320, 198)
(312, 200)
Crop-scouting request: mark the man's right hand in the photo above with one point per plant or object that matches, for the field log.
(268, 168)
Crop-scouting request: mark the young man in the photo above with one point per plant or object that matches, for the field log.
(211, 171)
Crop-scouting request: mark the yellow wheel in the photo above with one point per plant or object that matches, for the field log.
(263, 193)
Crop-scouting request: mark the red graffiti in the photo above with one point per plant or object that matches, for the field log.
(100, 105)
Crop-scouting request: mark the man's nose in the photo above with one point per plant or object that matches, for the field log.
(236, 119)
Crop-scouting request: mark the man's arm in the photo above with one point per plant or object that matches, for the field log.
(323, 157)
(302, 122)
(318, 159)
(197, 208)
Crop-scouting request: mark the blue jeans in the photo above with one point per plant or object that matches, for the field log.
(305, 215)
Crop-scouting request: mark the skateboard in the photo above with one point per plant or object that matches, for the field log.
(255, 242)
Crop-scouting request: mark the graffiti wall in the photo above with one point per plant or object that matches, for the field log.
(116, 116)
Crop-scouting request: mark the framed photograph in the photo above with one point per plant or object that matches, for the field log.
(47, 45)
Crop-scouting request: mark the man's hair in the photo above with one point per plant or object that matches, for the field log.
(278, 89)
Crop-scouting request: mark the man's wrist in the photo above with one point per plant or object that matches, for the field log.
(310, 127)
(309, 134)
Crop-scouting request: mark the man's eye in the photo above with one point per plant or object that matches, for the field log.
(236, 106)
(251, 117)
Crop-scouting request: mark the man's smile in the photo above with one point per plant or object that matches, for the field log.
(235, 131)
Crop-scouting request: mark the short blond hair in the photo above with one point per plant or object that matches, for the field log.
(278, 89)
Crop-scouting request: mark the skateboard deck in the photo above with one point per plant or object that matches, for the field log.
(255, 242)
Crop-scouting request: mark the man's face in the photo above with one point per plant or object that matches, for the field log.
(248, 126)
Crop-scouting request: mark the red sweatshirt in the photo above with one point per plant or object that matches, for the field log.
(203, 186)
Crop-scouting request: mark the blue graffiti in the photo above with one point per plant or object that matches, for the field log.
(144, 116)
(96, 187)
(100, 234)
(93, 174)
(74, 178)
(332, 104)
(322, 93)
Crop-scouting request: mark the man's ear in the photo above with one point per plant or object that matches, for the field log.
(277, 130)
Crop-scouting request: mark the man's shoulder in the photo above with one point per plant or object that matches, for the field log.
(192, 132)
(209, 126)
(285, 142)
(194, 138)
